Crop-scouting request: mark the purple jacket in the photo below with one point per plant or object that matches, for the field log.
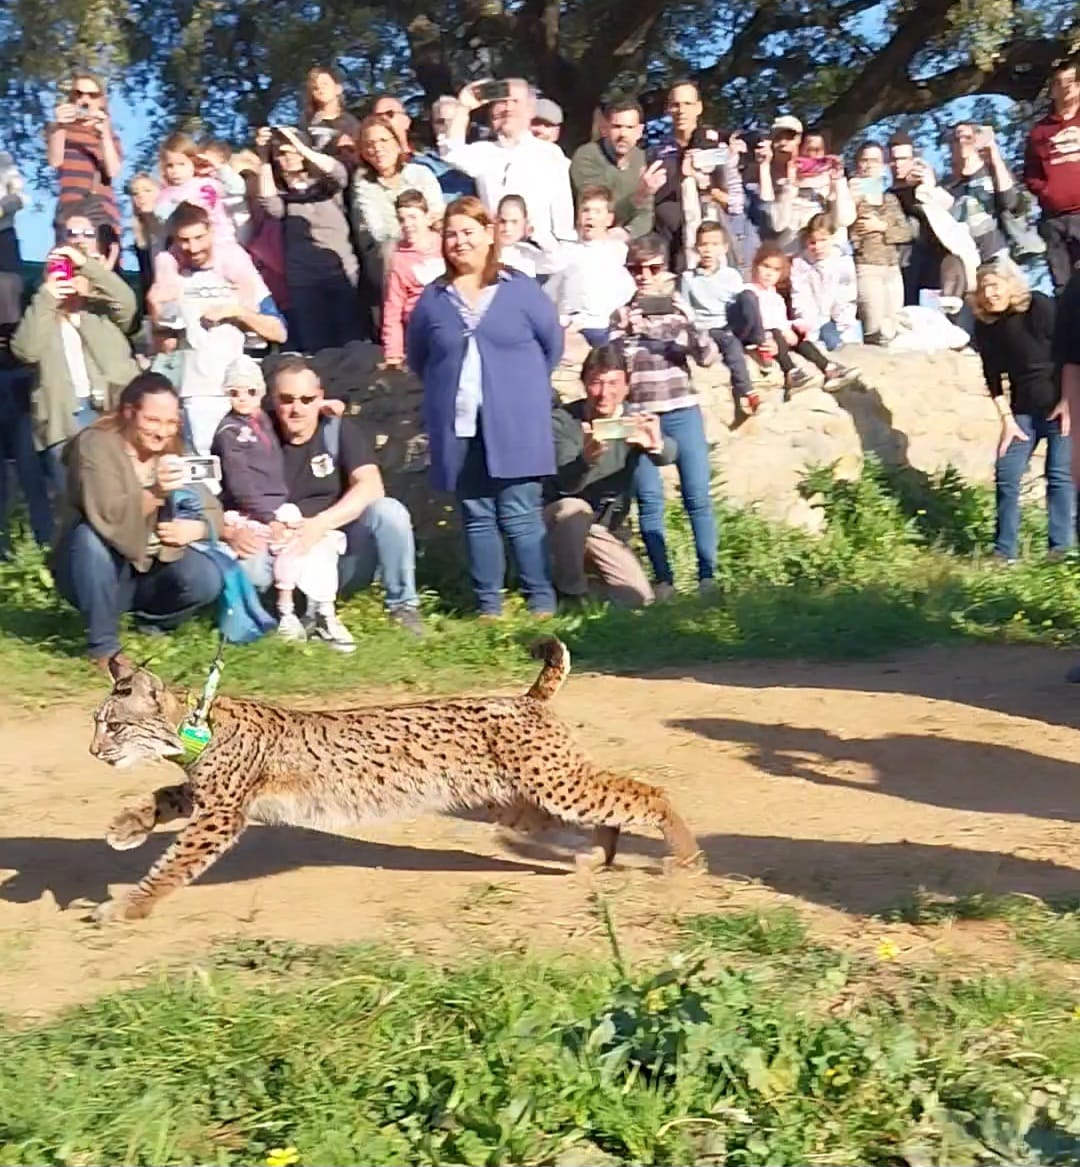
(520, 343)
(252, 468)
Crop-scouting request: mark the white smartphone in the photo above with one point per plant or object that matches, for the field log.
(197, 469)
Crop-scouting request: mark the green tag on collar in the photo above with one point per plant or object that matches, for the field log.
(195, 737)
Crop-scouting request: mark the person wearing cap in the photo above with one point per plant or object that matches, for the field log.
(616, 161)
(690, 191)
(514, 161)
(547, 120)
(805, 185)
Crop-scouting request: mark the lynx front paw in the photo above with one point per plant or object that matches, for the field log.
(127, 830)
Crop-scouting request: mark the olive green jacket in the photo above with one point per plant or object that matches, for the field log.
(104, 322)
(102, 490)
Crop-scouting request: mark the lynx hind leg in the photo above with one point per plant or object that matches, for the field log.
(522, 817)
(198, 846)
(611, 803)
(131, 827)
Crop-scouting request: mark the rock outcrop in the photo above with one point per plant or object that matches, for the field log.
(927, 411)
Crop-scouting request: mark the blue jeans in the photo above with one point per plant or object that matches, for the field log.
(491, 508)
(687, 427)
(377, 544)
(829, 335)
(1060, 495)
(17, 445)
(734, 357)
(103, 585)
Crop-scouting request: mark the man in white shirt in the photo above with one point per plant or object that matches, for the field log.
(211, 296)
(514, 161)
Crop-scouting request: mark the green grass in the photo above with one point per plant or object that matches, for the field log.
(1050, 929)
(727, 1051)
(902, 563)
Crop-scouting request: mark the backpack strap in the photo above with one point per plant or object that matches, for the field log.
(331, 437)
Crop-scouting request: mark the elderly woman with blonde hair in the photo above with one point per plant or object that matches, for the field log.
(1014, 331)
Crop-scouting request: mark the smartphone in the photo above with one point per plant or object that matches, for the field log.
(198, 469)
(61, 266)
(491, 91)
(611, 429)
(812, 167)
(706, 161)
(655, 305)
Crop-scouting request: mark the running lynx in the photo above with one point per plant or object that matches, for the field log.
(265, 764)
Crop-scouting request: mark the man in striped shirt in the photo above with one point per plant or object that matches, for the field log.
(84, 148)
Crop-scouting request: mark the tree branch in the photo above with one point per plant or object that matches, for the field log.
(1019, 72)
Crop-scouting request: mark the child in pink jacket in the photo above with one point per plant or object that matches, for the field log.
(415, 262)
(188, 177)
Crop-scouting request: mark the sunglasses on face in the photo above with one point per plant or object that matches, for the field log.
(293, 399)
(77, 93)
(81, 233)
(641, 269)
(242, 391)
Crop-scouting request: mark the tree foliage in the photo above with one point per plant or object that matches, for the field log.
(224, 65)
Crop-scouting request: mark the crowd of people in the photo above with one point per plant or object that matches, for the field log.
(469, 247)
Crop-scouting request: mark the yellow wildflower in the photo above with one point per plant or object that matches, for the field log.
(282, 1157)
(887, 950)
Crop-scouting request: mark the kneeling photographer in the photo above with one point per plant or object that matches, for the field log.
(124, 545)
(597, 451)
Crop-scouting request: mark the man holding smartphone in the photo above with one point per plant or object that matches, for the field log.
(698, 168)
(597, 449)
(514, 161)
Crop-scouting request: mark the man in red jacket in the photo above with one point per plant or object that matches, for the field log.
(1052, 173)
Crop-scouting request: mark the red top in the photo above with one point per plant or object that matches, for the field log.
(82, 173)
(1052, 164)
(410, 270)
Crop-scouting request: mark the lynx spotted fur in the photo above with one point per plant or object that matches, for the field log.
(265, 764)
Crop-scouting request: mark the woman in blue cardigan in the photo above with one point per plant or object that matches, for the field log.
(484, 340)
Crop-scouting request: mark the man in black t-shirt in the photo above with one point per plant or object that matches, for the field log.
(333, 478)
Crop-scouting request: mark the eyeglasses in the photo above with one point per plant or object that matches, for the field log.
(80, 233)
(292, 399)
(242, 391)
(639, 269)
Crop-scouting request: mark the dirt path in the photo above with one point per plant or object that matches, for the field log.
(841, 787)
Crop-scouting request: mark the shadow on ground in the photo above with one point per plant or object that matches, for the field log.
(966, 775)
(73, 869)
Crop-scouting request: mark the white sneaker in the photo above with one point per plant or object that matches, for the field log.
(332, 632)
(290, 628)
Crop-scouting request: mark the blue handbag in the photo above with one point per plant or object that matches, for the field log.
(241, 618)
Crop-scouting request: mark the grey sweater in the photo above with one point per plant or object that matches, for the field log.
(318, 246)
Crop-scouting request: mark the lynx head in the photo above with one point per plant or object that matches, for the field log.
(137, 721)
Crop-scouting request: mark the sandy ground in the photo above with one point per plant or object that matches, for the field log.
(843, 788)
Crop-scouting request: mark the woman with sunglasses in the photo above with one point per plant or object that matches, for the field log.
(484, 340)
(84, 148)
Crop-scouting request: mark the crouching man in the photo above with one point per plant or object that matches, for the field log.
(597, 448)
